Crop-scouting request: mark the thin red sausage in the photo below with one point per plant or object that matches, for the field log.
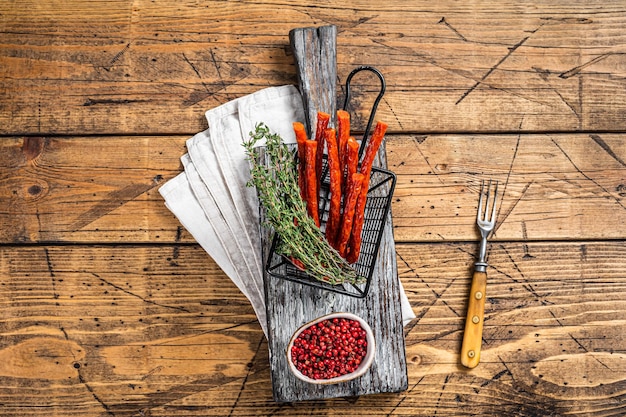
(354, 191)
(310, 150)
(343, 133)
(334, 212)
(298, 263)
(301, 138)
(352, 157)
(372, 147)
(354, 246)
(322, 124)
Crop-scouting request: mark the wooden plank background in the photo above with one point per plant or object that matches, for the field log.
(155, 67)
(104, 188)
(109, 307)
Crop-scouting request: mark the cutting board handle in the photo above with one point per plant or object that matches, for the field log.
(315, 52)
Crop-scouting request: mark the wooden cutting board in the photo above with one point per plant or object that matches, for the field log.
(292, 304)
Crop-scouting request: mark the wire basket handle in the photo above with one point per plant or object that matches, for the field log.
(383, 87)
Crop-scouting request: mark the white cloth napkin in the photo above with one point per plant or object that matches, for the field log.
(210, 197)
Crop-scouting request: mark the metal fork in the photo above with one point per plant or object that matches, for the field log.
(486, 221)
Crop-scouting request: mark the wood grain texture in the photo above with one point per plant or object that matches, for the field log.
(90, 189)
(544, 303)
(103, 189)
(109, 308)
(155, 67)
(315, 57)
(552, 186)
(161, 331)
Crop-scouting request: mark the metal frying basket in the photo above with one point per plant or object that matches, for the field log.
(379, 195)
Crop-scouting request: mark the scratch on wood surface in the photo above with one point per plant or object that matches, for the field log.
(503, 362)
(393, 113)
(524, 280)
(570, 106)
(516, 267)
(409, 53)
(496, 377)
(581, 20)
(443, 388)
(527, 254)
(116, 57)
(197, 97)
(581, 101)
(245, 378)
(349, 24)
(418, 140)
(605, 146)
(508, 212)
(112, 201)
(182, 339)
(555, 317)
(576, 70)
(449, 26)
(543, 73)
(176, 248)
(152, 371)
(492, 69)
(581, 172)
(39, 223)
(132, 294)
(593, 356)
(438, 296)
(217, 69)
(173, 398)
(408, 395)
(582, 347)
(95, 396)
(499, 220)
(55, 295)
(421, 57)
(96, 101)
(77, 366)
(65, 335)
(193, 67)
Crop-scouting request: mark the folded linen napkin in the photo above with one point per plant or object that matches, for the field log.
(210, 197)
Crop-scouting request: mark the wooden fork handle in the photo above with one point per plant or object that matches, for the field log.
(473, 335)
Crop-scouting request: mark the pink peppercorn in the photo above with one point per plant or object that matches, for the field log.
(330, 348)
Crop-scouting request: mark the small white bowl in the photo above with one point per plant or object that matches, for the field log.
(363, 367)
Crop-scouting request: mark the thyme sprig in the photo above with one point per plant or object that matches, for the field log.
(285, 211)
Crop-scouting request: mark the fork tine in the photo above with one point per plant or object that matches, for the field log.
(479, 214)
(487, 202)
(495, 197)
